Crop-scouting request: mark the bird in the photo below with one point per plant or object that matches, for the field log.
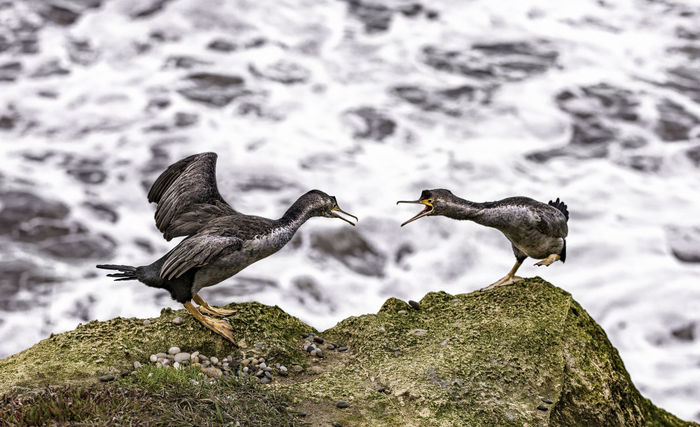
(219, 241)
(534, 229)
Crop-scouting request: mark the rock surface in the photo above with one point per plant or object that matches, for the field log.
(525, 354)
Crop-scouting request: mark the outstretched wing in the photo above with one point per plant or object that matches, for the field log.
(197, 251)
(187, 196)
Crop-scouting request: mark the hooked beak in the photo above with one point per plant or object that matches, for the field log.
(427, 211)
(335, 215)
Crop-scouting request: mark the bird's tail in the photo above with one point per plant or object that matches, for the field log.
(127, 272)
(559, 204)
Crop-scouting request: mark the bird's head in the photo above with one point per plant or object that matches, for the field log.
(435, 201)
(321, 204)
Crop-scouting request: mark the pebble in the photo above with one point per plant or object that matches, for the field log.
(315, 370)
(414, 304)
(137, 365)
(195, 354)
(214, 360)
(330, 347)
(260, 373)
(265, 380)
(547, 401)
(176, 365)
(381, 389)
(268, 374)
(343, 348)
(341, 404)
(146, 322)
(182, 357)
(402, 312)
(153, 358)
(336, 424)
(212, 372)
(177, 320)
(319, 353)
(318, 340)
(542, 408)
(173, 350)
(283, 371)
(202, 357)
(262, 365)
(107, 378)
(297, 368)
(161, 355)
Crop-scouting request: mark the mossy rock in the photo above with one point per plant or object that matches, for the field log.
(484, 358)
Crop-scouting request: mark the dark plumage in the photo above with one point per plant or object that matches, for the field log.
(534, 229)
(220, 241)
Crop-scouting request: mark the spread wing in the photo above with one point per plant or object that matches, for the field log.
(187, 196)
(197, 251)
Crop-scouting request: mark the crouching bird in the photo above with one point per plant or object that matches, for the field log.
(535, 229)
(220, 241)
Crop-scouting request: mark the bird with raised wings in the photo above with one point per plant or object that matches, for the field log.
(219, 241)
(534, 229)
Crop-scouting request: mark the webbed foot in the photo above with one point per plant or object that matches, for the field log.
(219, 326)
(205, 308)
(549, 260)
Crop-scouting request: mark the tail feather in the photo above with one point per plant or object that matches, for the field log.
(127, 272)
(559, 204)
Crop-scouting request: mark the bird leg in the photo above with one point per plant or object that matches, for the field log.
(207, 309)
(219, 326)
(508, 278)
(550, 259)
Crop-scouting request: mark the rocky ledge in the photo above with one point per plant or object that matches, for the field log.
(526, 354)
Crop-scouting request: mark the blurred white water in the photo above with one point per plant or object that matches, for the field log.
(372, 105)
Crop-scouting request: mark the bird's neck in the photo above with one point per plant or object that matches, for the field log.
(296, 215)
(458, 208)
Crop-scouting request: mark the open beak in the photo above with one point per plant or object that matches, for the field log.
(335, 215)
(427, 211)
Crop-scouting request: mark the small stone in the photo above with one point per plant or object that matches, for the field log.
(330, 347)
(414, 304)
(297, 368)
(343, 348)
(283, 371)
(311, 348)
(206, 363)
(265, 380)
(262, 365)
(194, 354)
(268, 374)
(161, 355)
(402, 312)
(245, 369)
(547, 401)
(315, 370)
(203, 358)
(173, 350)
(267, 369)
(245, 362)
(381, 389)
(137, 365)
(182, 357)
(146, 322)
(336, 424)
(214, 360)
(212, 372)
(99, 361)
(153, 358)
(318, 340)
(542, 408)
(195, 359)
(319, 353)
(165, 362)
(158, 365)
(260, 373)
(177, 320)
(341, 404)
(176, 365)
(107, 378)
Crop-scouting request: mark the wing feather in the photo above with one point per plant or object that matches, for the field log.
(187, 196)
(197, 251)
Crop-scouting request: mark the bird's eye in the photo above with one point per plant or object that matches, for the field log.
(430, 201)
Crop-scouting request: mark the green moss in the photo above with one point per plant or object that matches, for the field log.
(485, 358)
(111, 347)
